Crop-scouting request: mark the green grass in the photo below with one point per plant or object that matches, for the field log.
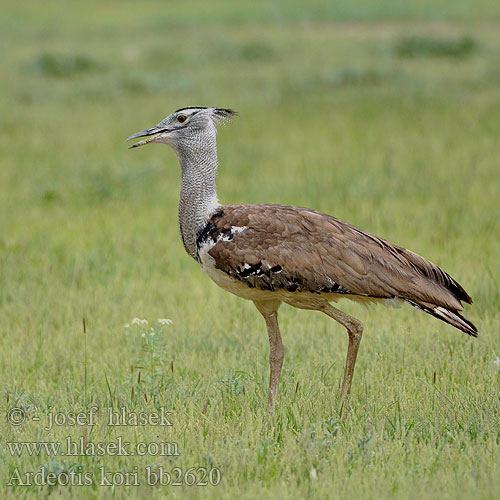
(334, 116)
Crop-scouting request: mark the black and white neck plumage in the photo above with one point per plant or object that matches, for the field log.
(192, 132)
(198, 200)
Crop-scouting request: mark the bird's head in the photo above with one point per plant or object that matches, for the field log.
(183, 125)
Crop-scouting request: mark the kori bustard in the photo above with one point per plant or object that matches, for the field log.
(277, 253)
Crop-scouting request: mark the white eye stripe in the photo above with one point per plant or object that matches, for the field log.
(189, 111)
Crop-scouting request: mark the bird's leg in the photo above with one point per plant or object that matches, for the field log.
(355, 330)
(269, 309)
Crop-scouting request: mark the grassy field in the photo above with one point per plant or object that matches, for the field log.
(383, 113)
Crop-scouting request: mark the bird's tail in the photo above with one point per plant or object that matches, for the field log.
(449, 316)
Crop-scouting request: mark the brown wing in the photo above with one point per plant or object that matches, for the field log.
(293, 248)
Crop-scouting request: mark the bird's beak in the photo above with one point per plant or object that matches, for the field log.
(151, 134)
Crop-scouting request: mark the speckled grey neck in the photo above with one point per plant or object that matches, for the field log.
(197, 155)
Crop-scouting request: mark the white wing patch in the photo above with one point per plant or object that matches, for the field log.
(236, 229)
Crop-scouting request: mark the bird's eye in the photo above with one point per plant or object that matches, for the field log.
(181, 118)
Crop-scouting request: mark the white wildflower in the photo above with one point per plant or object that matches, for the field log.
(164, 321)
(143, 335)
(313, 473)
(144, 321)
(496, 361)
(126, 325)
(136, 321)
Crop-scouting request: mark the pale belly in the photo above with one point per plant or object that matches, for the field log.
(233, 285)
